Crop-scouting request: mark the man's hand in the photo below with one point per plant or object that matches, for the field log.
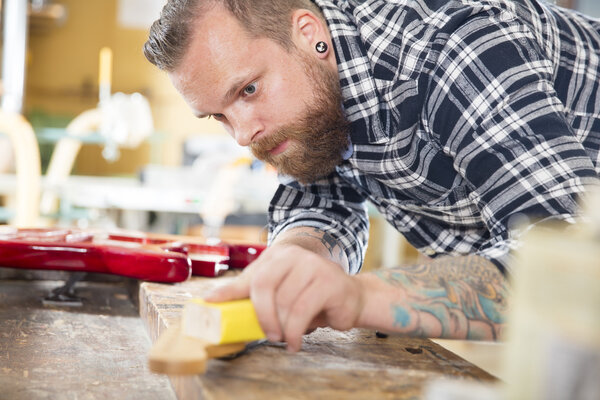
(300, 283)
(295, 290)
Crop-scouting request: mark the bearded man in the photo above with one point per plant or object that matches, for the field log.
(453, 117)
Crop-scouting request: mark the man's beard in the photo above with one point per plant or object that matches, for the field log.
(317, 139)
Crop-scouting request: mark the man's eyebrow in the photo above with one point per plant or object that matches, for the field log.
(234, 88)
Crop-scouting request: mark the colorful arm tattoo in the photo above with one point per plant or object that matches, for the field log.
(452, 297)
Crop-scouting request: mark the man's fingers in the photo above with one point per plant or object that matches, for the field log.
(263, 286)
(306, 307)
(290, 288)
(239, 288)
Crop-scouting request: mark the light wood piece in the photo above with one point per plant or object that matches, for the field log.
(178, 354)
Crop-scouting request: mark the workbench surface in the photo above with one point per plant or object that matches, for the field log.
(96, 351)
(349, 365)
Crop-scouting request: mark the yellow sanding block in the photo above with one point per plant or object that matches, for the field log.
(221, 323)
(208, 330)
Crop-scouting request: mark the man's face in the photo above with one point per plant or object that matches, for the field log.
(285, 105)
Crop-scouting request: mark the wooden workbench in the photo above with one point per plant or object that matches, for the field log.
(96, 351)
(349, 365)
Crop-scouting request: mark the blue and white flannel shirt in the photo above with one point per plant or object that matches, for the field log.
(464, 114)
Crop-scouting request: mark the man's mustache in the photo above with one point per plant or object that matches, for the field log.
(271, 141)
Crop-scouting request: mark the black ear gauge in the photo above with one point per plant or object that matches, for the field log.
(321, 47)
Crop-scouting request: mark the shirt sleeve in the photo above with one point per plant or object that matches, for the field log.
(330, 205)
(492, 107)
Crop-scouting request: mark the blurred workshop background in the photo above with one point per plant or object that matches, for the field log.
(92, 135)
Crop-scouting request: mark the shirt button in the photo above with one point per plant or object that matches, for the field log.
(428, 251)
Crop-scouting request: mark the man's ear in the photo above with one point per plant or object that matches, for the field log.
(308, 30)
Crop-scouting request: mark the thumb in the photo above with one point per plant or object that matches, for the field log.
(239, 288)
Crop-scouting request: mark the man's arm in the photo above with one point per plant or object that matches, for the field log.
(451, 297)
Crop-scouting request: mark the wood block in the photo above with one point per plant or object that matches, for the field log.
(178, 354)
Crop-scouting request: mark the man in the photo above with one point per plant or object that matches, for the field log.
(454, 118)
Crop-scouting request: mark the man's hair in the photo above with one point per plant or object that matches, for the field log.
(170, 35)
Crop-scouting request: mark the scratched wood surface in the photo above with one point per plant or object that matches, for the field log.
(97, 351)
(349, 365)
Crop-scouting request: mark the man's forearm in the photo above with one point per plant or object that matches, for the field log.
(452, 297)
(317, 241)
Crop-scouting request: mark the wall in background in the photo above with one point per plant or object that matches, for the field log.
(589, 7)
(62, 80)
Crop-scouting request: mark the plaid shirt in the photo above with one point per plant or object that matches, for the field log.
(464, 116)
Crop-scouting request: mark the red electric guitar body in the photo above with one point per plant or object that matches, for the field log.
(150, 257)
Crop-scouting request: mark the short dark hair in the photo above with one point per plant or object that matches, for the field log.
(170, 35)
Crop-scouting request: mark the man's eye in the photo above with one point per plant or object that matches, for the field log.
(250, 89)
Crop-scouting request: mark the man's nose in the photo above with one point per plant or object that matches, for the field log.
(245, 129)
